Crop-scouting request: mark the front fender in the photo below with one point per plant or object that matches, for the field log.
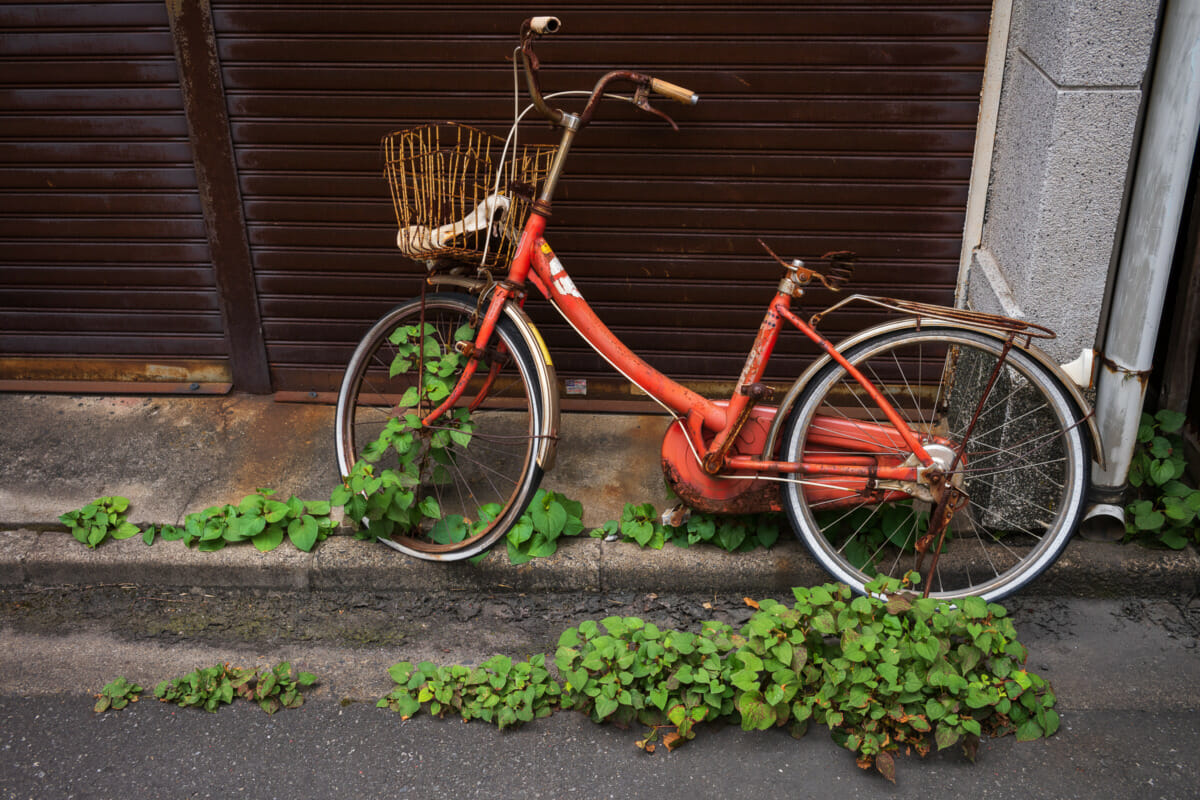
(547, 377)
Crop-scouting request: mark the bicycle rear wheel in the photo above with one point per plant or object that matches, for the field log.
(462, 482)
(1024, 469)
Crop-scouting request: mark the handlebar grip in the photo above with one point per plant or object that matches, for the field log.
(542, 25)
(677, 93)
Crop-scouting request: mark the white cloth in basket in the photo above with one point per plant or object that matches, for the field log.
(417, 240)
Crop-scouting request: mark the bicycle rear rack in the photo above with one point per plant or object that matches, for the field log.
(926, 311)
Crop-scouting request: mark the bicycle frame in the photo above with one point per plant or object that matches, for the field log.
(897, 428)
(710, 427)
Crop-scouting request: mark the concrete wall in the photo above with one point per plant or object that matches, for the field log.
(1072, 91)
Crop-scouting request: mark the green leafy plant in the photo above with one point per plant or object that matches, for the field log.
(212, 687)
(207, 688)
(909, 673)
(639, 523)
(258, 519)
(278, 688)
(386, 498)
(500, 691)
(117, 694)
(1166, 508)
(625, 670)
(736, 533)
(884, 676)
(100, 519)
(536, 534)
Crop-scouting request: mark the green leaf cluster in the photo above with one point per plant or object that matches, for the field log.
(212, 687)
(1165, 511)
(885, 675)
(100, 519)
(624, 670)
(880, 675)
(550, 517)
(117, 694)
(641, 525)
(258, 518)
(500, 691)
(388, 499)
(413, 345)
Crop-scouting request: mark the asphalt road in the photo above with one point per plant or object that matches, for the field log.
(1127, 675)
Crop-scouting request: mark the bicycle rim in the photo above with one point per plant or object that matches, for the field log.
(474, 469)
(1023, 469)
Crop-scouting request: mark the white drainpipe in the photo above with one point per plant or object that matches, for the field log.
(1151, 228)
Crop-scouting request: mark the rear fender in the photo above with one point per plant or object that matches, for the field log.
(1032, 350)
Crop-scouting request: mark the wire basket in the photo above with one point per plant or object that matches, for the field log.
(458, 195)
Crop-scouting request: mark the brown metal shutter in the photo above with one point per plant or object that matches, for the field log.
(105, 267)
(840, 125)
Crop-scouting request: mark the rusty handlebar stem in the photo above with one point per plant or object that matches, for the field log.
(529, 61)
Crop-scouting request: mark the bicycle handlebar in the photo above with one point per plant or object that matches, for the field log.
(677, 93)
(536, 26)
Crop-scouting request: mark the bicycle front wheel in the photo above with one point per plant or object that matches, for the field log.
(1023, 466)
(460, 483)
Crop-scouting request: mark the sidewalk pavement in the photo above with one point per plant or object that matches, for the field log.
(174, 455)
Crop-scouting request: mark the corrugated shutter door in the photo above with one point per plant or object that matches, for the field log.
(105, 266)
(834, 126)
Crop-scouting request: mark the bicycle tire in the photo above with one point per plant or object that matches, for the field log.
(1024, 470)
(481, 485)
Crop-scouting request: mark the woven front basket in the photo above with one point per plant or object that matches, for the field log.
(451, 188)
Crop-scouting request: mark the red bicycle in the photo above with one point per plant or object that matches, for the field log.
(943, 442)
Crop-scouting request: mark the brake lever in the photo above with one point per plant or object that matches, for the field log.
(841, 268)
(641, 99)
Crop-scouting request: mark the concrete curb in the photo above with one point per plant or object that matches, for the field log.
(176, 455)
(581, 565)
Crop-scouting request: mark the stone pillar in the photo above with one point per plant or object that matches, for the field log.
(1069, 106)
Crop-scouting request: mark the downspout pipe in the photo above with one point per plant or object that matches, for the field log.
(1151, 228)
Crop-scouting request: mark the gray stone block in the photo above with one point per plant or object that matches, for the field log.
(1087, 43)
(1058, 181)
(1109, 569)
(608, 460)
